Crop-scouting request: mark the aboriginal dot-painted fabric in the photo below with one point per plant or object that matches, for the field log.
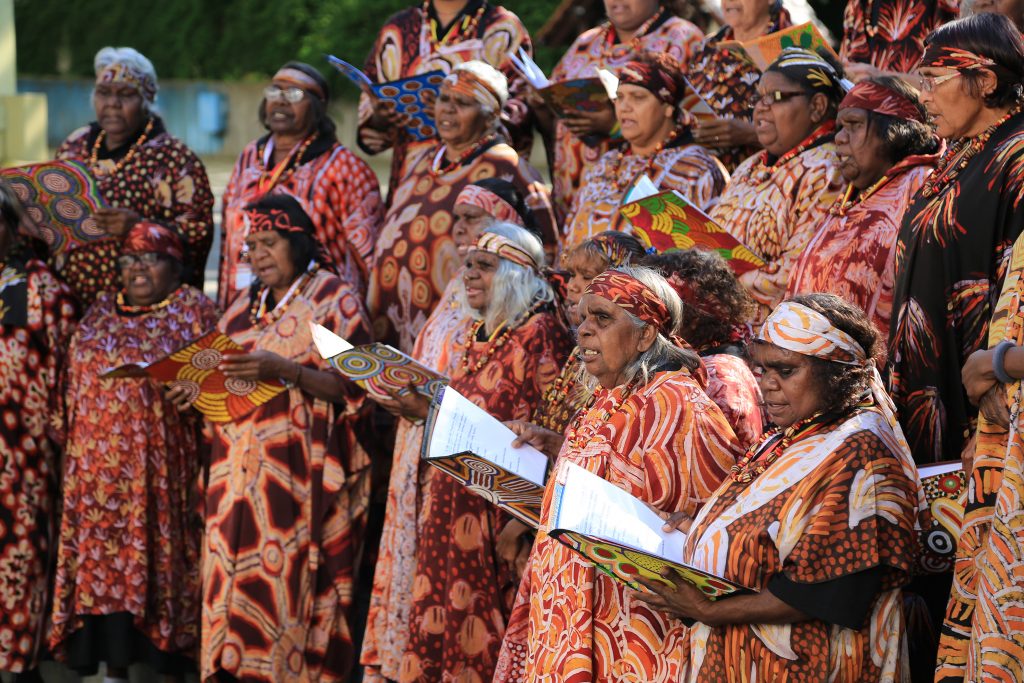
(668, 444)
(285, 507)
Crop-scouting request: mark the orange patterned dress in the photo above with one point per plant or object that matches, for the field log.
(463, 591)
(837, 502)
(285, 507)
(666, 443)
(775, 210)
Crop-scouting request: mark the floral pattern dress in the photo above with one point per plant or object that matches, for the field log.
(889, 34)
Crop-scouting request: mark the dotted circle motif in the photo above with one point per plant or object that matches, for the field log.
(239, 386)
(207, 359)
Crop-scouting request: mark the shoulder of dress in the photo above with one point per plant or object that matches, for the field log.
(75, 138)
(679, 27)
(501, 17)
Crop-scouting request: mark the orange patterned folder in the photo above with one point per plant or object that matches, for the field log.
(219, 397)
(763, 51)
(666, 221)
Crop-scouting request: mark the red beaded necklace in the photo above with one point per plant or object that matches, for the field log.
(960, 154)
(755, 461)
(497, 340)
(258, 314)
(466, 27)
(269, 178)
(764, 170)
(848, 201)
(441, 165)
(121, 163)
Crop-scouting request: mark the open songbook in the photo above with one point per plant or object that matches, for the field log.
(196, 367)
(620, 534)
(409, 95)
(464, 441)
(762, 51)
(377, 368)
(944, 485)
(568, 97)
(667, 220)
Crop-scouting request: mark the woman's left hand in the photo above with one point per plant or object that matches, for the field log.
(681, 599)
(977, 375)
(600, 121)
(411, 405)
(116, 222)
(723, 133)
(258, 365)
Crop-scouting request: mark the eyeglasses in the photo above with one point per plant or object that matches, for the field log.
(929, 83)
(150, 258)
(291, 95)
(771, 97)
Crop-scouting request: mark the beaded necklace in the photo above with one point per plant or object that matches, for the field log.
(126, 308)
(577, 437)
(847, 201)
(622, 183)
(611, 35)
(461, 29)
(763, 170)
(960, 154)
(757, 458)
(258, 314)
(557, 406)
(497, 339)
(438, 168)
(282, 170)
(123, 161)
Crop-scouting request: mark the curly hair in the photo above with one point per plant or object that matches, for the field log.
(902, 138)
(714, 302)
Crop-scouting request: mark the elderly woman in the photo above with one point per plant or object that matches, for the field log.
(634, 27)
(142, 171)
(438, 35)
(728, 83)
(653, 432)
(511, 353)
(479, 206)
(886, 153)
(37, 316)
(415, 256)
(301, 156)
(777, 198)
(288, 485)
(127, 584)
(716, 323)
(818, 517)
(955, 236)
(647, 106)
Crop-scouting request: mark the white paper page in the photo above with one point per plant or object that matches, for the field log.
(526, 66)
(460, 425)
(328, 344)
(642, 188)
(939, 468)
(594, 506)
(610, 82)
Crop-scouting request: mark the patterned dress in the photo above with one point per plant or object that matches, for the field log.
(690, 169)
(285, 508)
(889, 34)
(404, 48)
(835, 503)
(951, 258)
(732, 386)
(37, 317)
(336, 188)
(438, 346)
(130, 533)
(415, 254)
(775, 210)
(462, 591)
(600, 47)
(160, 179)
(853, 253)
(666, 443)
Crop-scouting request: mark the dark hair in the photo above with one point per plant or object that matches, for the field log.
(802, 76)
(631, 248)
(843, 385)
(722, 304)
(10, 208)
(303, 246)
(993, 36)
(322, 122)
(902, 137)
(508, 192)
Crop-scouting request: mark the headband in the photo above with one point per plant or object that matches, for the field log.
(145, 237)
(631, 295)
(466, 83)
(881, 100)
(261, 219)
(657, 78)
(491, 203)
(302, 80)
(505, 248)
(126, 74)
(810, 70)
(946, 57)
(616, 253)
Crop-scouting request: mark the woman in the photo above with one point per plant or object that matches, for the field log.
(728, 83)
(634, 27)
(818, 517)
(127, 582)
(647, 107)
(479, 206)
(415, 256)
(142, 171)
(650, 430)
(37, 316)
(955, 237)
(462, 591)
(886, 153)
(716, 323)
(438, 35)
(777, 198)
(288, 485)
(301, 156)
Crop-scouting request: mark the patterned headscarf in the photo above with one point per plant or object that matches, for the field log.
(631, 295)
(881, 100)
(616, 253)
(812, 71)
(492, 204)
(288, 218)
(466, 83)
(660, 76)
(122, 73)
(145, 237)
(505, 248)
(946, 57)
(292, 76)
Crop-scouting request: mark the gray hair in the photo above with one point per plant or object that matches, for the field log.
(496, 81)
(134, 59)
(663, 353)
(515, 288)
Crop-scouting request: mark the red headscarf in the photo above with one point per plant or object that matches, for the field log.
(633, 296)
(881, 100)
(492, 204)
(145, 237)
(945, 57)
(659, 74)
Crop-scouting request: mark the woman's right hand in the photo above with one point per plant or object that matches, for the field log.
(675, 521)
(544, 440)
(411, 405)
(598, 122)
(179, 397)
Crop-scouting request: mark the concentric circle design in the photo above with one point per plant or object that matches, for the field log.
(239, 386)
(939, 541)
(357, 365)
(191, 388)
(482, 467)
(58, 182)
(69, 209)
(206, 359)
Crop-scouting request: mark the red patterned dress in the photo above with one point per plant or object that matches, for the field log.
(37, 317)
(160, 179)
(285, 507)
(463, 591)
(732, 386)
(889, 34)
(130, 533)
(776, 208)
(666, 443)
(854, 251)
(600, 47)
(335, 187)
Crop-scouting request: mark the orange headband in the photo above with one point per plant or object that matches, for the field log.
(466, 83)
(505, 248)
(495, 206)
(301, 80)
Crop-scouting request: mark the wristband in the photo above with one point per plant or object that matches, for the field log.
(294, 383)
(999, 362)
